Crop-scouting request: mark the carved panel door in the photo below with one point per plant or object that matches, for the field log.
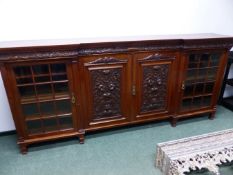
(154, 83)
(107, 82)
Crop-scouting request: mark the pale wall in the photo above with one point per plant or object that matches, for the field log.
(50, 19)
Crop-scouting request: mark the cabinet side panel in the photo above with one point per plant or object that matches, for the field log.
(7, 79)
(220, 76)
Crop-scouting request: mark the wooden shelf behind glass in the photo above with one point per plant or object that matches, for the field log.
(44, 98)
(38, 117)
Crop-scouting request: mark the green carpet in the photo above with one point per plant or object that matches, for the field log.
(122, 151)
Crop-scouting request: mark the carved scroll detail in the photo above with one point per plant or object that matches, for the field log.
(106, 60)
(106, 93)
(154, 87)
(156, 57)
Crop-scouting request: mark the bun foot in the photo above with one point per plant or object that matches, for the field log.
(174, 122)
(81, 139)
(211, 116)
(23, 148)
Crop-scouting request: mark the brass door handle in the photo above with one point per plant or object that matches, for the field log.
(133, 90)
(183, 86)
(73, 99)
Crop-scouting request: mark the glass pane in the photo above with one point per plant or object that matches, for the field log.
(186, 104)
(66, 122)
(27, 91)
(44, 89)
(61, 88)
(199, 89)
(59, 77)
(215, 58)
(22, 71)
(40, 69)
(58, 68)
(50, 124)
(205, 57)
(193, 58)
(204, 64)
(191, 74)
(207, 101)
(202, 75)
(63, 106)
(188, 90)
(193, 64)
(30, 110)
(42, 79)
(212, 73)
(197, 102)
(24, 80)
(209, 87)
(47, 108)
(34, 127)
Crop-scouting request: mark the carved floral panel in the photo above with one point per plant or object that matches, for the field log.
(106, 93)
(154, 87)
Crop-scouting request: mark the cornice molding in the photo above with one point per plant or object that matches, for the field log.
(86, 50)
(22, 56)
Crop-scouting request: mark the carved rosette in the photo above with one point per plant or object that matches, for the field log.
(106, 93)
(154, 87)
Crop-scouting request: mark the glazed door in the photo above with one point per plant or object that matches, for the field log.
(44, 92)
(107, 81)
(201, 80)
(154, 82)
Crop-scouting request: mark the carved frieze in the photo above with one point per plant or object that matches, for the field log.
(37, 55)
(106, 93)
(154, 87)
(157, 47)
(123, 49)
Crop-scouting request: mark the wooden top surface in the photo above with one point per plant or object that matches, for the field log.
(57, 42)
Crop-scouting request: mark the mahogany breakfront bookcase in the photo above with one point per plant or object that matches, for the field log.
(59, 89)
